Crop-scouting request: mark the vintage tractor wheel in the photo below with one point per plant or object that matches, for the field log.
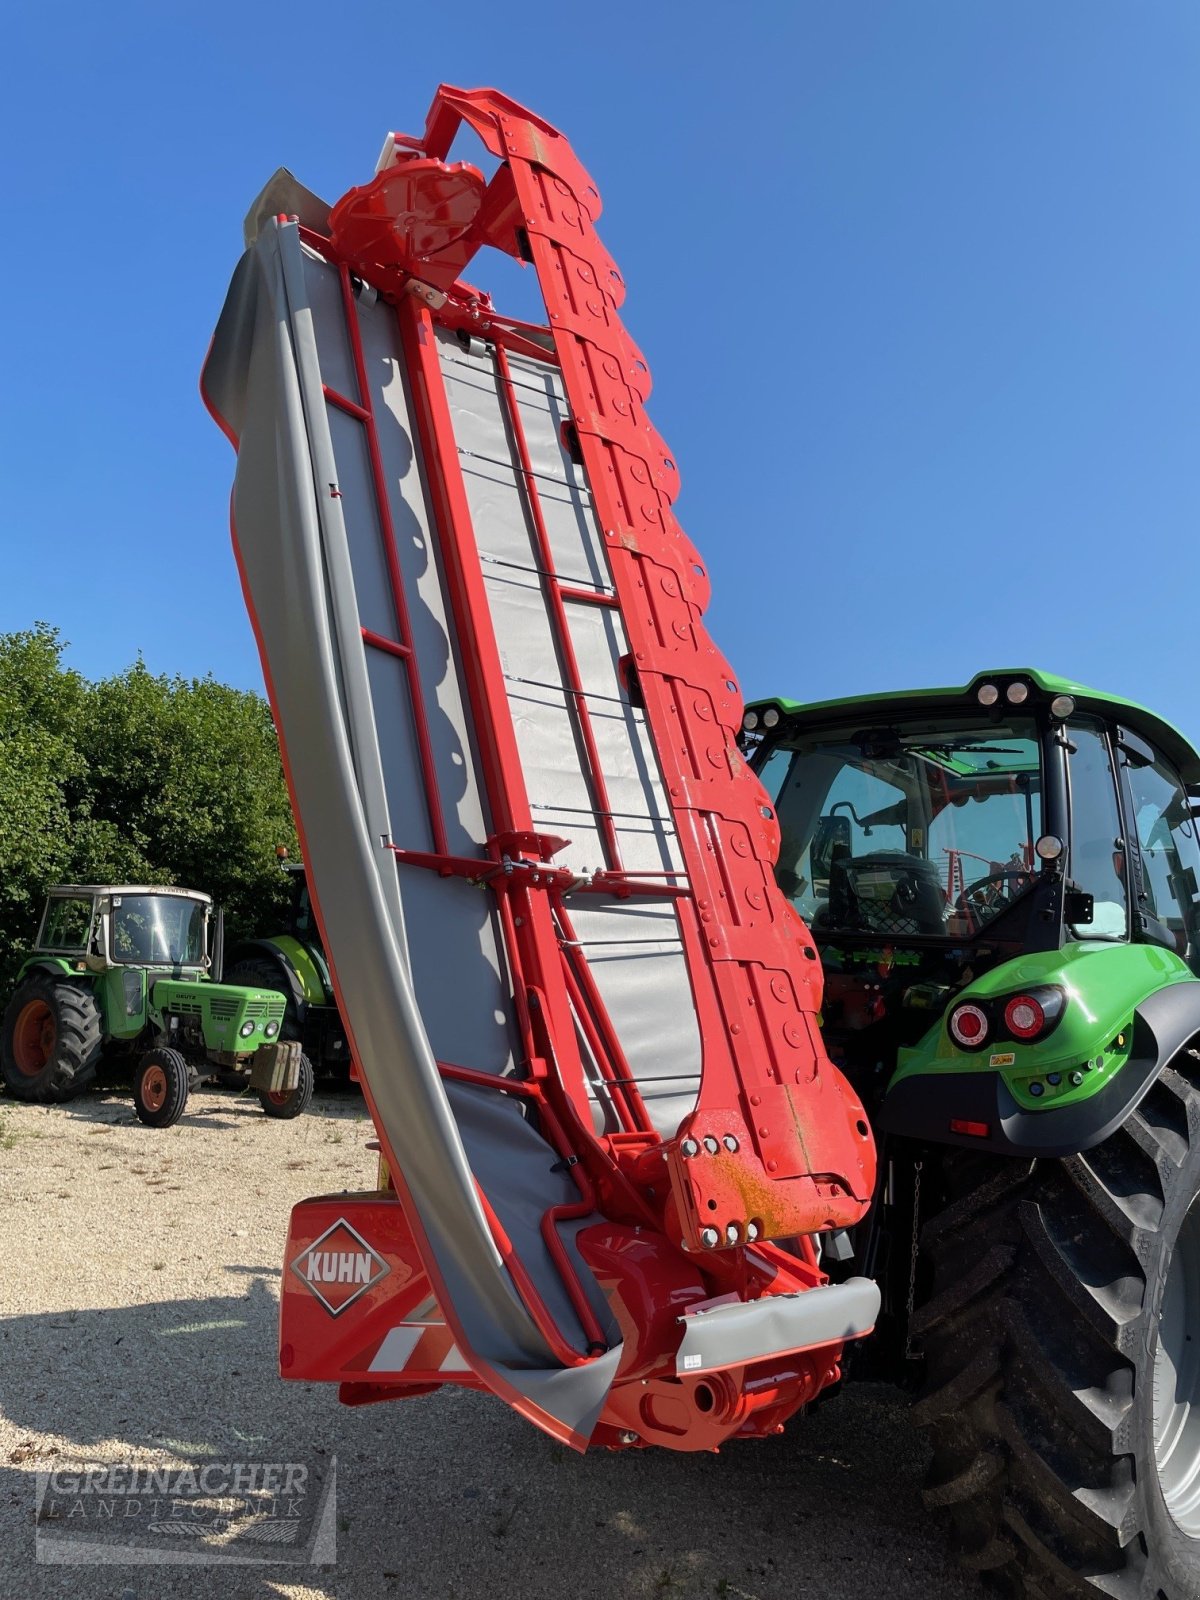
(288, 1103)
(50, 1040)
(160, 1087)
(1062, 1343)
(259, 972)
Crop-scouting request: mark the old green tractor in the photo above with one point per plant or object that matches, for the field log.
(126, 973)
(1003, 881)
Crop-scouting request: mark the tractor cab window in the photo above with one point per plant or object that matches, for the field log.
(1167, 896)
(158, 930)
(67, 924)
(921, 828)
(1096, 863)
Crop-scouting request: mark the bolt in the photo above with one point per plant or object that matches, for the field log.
(709, 1238)
(690, 1147)
(628, 1437)
(751, 1233)
(731, 1233)
(730, 1143)
(711, 1145)
(1076, 1078)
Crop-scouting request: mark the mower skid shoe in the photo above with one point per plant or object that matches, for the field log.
(736, 1333)
(504, 727)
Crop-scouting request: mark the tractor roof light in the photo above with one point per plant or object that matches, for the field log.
(1049, 847)
(771, 717)
(1062, 706)
(1017, 693)
(968, 1026)
(750, 721)
(987, 694)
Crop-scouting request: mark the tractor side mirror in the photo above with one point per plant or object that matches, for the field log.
(1078, 908)
(830, 833)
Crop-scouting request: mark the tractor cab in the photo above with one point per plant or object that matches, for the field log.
(929, 838)
(107, 926)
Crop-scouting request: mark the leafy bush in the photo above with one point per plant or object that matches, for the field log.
(135, 779)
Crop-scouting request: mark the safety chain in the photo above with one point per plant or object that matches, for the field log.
(909, 1353)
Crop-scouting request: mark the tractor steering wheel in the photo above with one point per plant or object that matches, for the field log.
(992, 892)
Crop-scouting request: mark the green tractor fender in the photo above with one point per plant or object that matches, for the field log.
(303, 978)
(1125, 1012)
(57, 966)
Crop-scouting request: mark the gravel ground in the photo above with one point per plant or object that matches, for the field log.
(138, 1309)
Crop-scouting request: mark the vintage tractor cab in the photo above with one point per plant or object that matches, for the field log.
(121, 970)
(293, 962)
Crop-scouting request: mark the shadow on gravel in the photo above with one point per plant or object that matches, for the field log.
(452, 1497)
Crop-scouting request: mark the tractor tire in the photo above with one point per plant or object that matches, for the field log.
(288, 1103)
(161, 1087)
(51, 1039)
(1062, 1352)
(259, 972)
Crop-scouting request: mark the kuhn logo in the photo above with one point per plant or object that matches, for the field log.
(339, 1266)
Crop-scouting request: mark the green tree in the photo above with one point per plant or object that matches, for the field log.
(136, 778)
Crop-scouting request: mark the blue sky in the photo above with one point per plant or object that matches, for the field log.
(919, 285)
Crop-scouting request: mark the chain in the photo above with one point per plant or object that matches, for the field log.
(909, 1353)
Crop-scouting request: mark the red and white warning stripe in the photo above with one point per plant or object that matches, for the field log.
(421, 1343)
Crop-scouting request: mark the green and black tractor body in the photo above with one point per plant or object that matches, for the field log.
(294, 963)
(1003, 881)
(130, 972)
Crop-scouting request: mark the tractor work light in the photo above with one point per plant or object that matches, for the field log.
(771, 717)
(1017, 693)
(246, 1029)
(968, 1026)
(1062, 706)
(1049, 847)
(987, 694)
(750, 721)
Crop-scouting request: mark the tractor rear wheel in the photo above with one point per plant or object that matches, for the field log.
(1062, 1345)
(161, 1087)
(51, 1039)
(288, 1103)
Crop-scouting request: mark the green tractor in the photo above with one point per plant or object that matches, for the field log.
(1004, 884)
(126, 972)
(294, 963)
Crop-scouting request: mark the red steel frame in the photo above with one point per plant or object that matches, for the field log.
(803, 1160)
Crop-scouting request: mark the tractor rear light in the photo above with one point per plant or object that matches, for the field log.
(1024, 1017)
(972, 1130)
(1033, 1013)
(968, 1026)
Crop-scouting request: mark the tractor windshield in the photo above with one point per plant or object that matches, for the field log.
(922, 827)
(158, 930)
